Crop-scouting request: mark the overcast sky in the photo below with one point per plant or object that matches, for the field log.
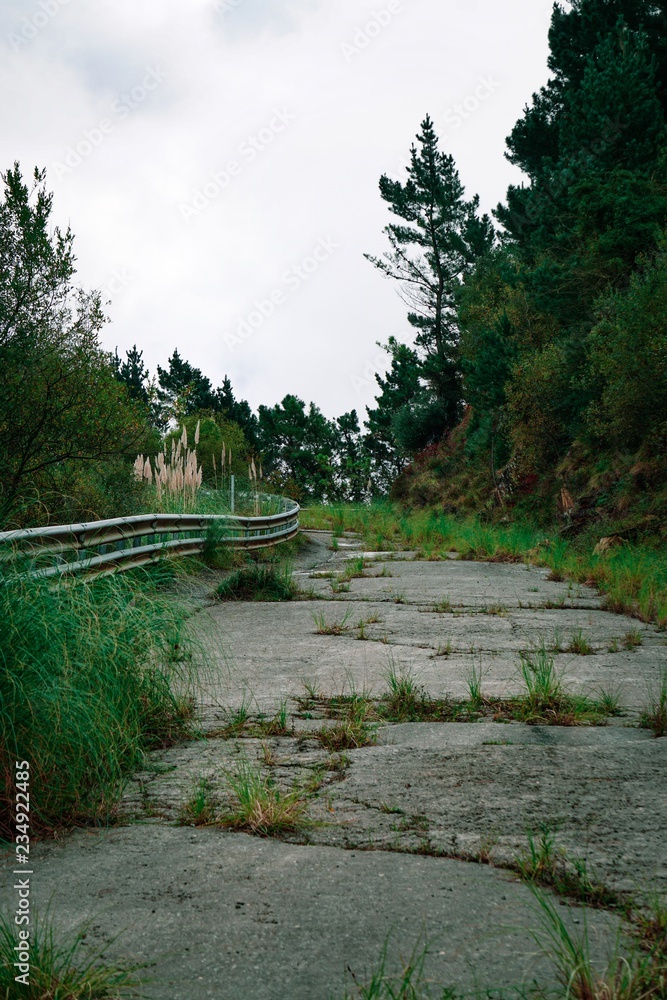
(218, 163)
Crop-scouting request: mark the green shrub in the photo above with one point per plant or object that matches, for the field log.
(258, 583)
(87, 674)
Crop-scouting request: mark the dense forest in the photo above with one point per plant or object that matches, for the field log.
(535, 379)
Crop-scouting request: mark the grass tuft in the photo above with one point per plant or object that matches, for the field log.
(324, 627)
(633, 971)
(580, 645)
(259, 806)
(632, 639)
(92, 675)
(258, 583)
(403, 696)
(654, 716)
(200, 809)
(543, 863)
(60, 968)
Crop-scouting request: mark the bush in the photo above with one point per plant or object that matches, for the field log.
(628, 353)
(86, 674)
(258, 583)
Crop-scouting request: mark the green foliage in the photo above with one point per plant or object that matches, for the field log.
(628, 354)
(61, 408)
(397, 388)
(91, 675)
(258, 583)
(310, 457)
(61, 966)
(633, 578)
(436, 243)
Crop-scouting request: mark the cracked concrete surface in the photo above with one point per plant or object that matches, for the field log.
(226, 915)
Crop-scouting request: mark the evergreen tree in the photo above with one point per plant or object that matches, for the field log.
(433, 248)
(604, 105)
(237, 410)
(133, 373)
(184, 390)
(398, 388)
(353, 466)
(298, 446)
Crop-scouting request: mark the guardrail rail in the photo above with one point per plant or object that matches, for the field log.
(124, 543)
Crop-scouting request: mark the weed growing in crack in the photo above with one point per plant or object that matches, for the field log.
(542, 682)
(545, 702)
(338, 763)
(407, 983)
(241, 724)
(259, 806)
(403, 694)
(610, 702)
(200, 809)
(391, 810)
(495, 609)
(355, 726)
(324, 627)
(355, 570)
(269, 756)
(654, 716)
(236, 721)
(638, 972)
(632, 639)
(580, 645)
(277, 725)
(474, 681)
(545, 864)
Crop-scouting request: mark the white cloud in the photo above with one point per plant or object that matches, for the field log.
(224, 75)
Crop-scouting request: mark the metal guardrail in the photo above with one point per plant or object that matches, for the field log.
(123, 543)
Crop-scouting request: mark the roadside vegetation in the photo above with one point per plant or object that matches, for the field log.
(632, 578)
(62, 967)
(92, 676)
(258, 583)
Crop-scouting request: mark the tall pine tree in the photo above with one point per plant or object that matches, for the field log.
(435, 245)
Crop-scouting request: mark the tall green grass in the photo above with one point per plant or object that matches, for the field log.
(61, 968)
(92, 675)
(633, 578)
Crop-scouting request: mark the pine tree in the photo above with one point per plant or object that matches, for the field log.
(133, 373)
(604, 105)
(183, 389)
(398, 388)
(436, 245)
